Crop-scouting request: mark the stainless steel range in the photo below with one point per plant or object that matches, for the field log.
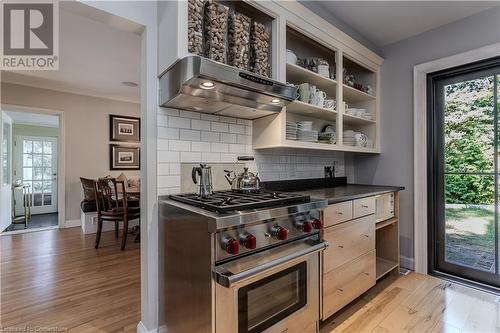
(239, 262)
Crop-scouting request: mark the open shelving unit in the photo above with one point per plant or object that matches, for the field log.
(270, 132)
(387, 243)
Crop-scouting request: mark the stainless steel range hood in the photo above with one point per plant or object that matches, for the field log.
(199, 84)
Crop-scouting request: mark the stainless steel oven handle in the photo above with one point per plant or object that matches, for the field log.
(230, 280)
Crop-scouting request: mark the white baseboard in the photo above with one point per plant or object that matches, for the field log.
(407, 262)
(72, 223)
(141, 328)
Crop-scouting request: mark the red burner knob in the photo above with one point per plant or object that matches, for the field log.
(232, 246)
(307, 226)
(280, 233)
(249, 241)
(317, 224)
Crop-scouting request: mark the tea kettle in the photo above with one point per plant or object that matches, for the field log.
(205, 188)
(244, 182)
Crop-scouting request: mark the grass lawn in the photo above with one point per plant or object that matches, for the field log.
(470, 236)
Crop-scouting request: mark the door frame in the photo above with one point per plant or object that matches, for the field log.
(61, 158)
(436, 184)
(420, 218)
(18, 163)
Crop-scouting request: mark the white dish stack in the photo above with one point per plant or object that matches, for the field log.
(291, 130)
(361, 113)
(305, 132)
(356, 139)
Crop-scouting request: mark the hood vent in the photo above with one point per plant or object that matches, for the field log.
(199, 84)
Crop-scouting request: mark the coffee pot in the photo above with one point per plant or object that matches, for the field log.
(204, 180)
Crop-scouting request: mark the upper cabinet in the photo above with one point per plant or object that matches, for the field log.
(337, 78)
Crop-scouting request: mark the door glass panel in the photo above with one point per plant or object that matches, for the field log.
(469, 126)
(37, 147)
(37, 173)
(28, 146)
(27, 160)
(47, 187)
(37, 199)
(47, 199)
(37, 161)
(469, 221)
(27, 174)
(47, 147)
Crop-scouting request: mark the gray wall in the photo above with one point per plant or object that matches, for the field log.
(319, 9)
(395, 165)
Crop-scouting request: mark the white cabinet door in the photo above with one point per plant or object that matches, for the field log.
(36, 165)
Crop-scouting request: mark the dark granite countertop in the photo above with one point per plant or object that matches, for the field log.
(348, 192)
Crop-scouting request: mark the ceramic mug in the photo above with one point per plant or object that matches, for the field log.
(346, 107)
(319, 98)
(304, 92)
(324, 70)
(330, 104)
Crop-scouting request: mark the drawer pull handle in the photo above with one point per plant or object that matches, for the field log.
(341, 246)
(367, 274)
(366, 235)
(341, 290)
(340, 213)
(364, 206)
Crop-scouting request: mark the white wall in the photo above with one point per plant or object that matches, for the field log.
(5, 189)
(395, 165)
(86, 133)
(187, 137)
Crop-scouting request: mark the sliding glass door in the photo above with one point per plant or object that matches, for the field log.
(463, 170)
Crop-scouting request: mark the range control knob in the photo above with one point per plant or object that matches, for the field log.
(317, 224)
(231, 245)
(306, 226)
(248, 240)
(279, 232)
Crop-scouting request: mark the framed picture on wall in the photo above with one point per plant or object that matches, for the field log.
(125, 129)
(124, 157)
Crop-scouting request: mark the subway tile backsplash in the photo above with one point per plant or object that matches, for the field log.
(192, 137)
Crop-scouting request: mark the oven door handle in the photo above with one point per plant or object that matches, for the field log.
(229, 280)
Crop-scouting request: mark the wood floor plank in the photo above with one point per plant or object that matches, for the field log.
(56, 278)
(418, 303)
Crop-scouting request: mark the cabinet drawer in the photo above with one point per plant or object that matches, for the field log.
(348, 241)
(337, 213)
(362, 207)
(344, 284)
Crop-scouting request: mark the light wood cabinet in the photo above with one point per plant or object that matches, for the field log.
(344, 284)
(361, 251)
(364, 206)
(337, 213)
(348, 241)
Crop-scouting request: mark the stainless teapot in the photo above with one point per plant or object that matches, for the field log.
(244, 182)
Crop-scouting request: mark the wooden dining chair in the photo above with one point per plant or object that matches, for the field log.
(112, 206)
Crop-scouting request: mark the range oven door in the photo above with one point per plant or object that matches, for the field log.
(273, 291)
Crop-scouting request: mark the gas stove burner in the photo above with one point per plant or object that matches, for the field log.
(226, 201)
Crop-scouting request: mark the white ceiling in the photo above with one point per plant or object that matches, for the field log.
(387, 22)
(37, 119)
(95, 58)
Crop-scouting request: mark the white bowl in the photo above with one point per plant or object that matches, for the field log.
(291, 58)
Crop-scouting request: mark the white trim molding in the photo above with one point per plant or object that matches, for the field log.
(420, 140)
(141, 328)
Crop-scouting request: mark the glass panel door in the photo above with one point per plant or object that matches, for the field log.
(37, 166)
(463, 166)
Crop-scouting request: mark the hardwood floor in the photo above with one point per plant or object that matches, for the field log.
(418, 303)
(56, 278)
